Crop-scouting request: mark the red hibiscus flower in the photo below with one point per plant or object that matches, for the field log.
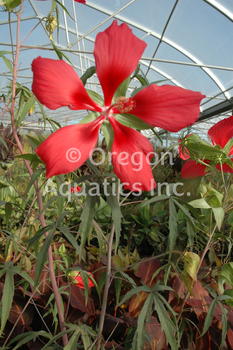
(220, 134)
(77, 189)
(79, 281)
(117, 52)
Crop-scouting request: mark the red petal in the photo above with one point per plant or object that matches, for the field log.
(117, 52)
(192, 169)
(129, 152)
(69, 147)
(225, 168)
(222, 132)
(169, 107)
(81, 1)
(56, 84)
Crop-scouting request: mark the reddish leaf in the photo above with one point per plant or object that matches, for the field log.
(146, 271)
(77, 300)
(204, 342)
(157, 336)
(17, 307)
(177, 284)
(230, 338)
(136, 303)
(97, 270)
(198, 302)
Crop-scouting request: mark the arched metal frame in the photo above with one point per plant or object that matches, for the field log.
(147, 62)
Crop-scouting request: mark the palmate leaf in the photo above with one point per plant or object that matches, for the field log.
(144, 317)
(166, 323)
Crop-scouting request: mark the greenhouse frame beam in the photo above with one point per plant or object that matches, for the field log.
(221, 107)
(220, 8)
(168, 42)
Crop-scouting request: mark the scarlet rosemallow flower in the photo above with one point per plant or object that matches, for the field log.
(79, 281)
(117, 52)
(219, 134)
(77, 189)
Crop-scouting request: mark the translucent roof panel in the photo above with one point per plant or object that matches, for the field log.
(189, 44)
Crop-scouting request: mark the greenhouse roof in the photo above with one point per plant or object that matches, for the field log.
(189, 44)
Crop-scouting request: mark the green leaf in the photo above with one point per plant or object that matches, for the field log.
(227, 273)
(64, 8)
(191, 263)
(7, 62)
(27, 337)
(225, 326)
(219, 216)
(108, 132)
(59, 53)
(17, 270)
(132, 121)
(199, 203)
(33, 142)
(42, 256)
(3, 142)
(88, 74)
(156, 199)
(86, 218)
(7, 298)
(122, 89)
(8, 211)
(34, 177)
(70, 238)
(72, 345)
(134, 291)
(144, 317)
(95, 97)
(28, 105)
(116, 214)
(42, 112)
(166, 323)
(89, 118)
(31, 157)
(228, 146)
(173, 231)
